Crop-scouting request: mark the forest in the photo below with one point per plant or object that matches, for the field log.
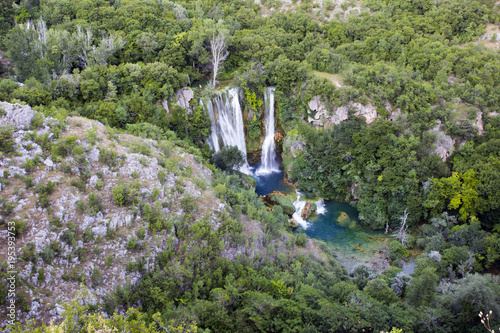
(116, 61)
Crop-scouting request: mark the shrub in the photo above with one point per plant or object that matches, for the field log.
(6, 140)
(68, 236)
(37, 121)
(124, 195)
(109, 260)
(95, 204)
(99, 184)
(141, 234)
(228, 158)
(88, 235)
(64, 146)
(41, 275)
(96, 277)
(108, 157)
(29, 182)
(155, 194)
(301, 239)
(187, 203)
(140, 148)
(44, 191)
(397, 252)
(162, 176)
(91, 135)
(6, 207)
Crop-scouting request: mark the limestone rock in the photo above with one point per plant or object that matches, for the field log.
(93, 181)
(444, 143)
(327, 118)
(478, 123)
(369, 112)
(184, 96)
(17, 115)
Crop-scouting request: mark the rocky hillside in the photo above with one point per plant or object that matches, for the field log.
(94, 207)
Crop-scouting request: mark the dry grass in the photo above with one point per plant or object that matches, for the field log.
(336, 79)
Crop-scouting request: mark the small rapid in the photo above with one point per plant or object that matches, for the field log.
(299, 206)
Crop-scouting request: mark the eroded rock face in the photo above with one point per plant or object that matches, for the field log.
(478, 123)
(17, 115)
(184, 96)
(369, 112)
(326, 118)
(444, 143)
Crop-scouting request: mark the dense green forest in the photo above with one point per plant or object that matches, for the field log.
(116, 61)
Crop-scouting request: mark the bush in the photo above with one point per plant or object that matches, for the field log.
(228, 158)
(44, 190)
(64, 146)
(301, 239)
(37, 121)
(124, 194)
(108, 157)
(162, 177)
(6, 140)
(397, 252)
(187, 203)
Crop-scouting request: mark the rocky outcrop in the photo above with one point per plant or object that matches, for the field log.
(16, 115)
(478, 123)
(324, 117)
(443, 145)
(184, 96)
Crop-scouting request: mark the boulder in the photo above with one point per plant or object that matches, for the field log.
(17, 115)
(343, 217)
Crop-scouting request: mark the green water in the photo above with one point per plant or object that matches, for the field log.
(352, 242)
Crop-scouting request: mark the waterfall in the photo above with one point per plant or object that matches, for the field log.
(268, 158)
(299, 206)
(230, 124)
(213, 139)
(320, 207)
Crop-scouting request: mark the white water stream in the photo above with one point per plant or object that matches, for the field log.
(299, 206)
(269, 163)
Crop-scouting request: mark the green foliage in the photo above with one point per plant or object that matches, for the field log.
(108, 157)
(397, 252)
(6, 140)
(228, 158)
(126, 194)
(187, 203)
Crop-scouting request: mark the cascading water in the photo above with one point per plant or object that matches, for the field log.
(269, 163)
(213, 139)
(230, 123)
(320, 207)
(299, 206)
